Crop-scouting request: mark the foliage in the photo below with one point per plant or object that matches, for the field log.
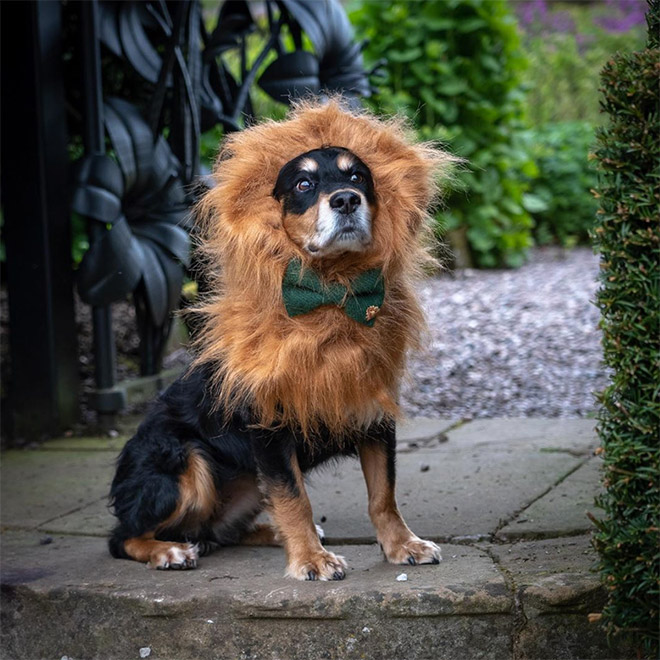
(454, 68)
(263, 105)
(563, 206)
(628, 237)
(567, 45)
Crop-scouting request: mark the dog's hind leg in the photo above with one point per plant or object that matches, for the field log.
(190, 500)
(262, 534)
(399, 544)
(161, 554)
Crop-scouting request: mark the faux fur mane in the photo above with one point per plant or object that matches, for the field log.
(320, 368)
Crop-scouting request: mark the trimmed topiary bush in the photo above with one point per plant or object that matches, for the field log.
(627, 235)
(454, 68)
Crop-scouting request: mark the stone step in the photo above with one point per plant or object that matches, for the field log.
(491, 601)
(507, 499)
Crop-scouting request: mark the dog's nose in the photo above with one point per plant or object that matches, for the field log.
(345, 201)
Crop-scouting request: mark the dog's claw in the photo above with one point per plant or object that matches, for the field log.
(413, 552)
(176, 557)
(322, 566)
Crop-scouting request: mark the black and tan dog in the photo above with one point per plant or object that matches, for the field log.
(314, 235)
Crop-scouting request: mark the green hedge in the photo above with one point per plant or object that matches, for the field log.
(628, 238)
(563, 206)
(454, 68)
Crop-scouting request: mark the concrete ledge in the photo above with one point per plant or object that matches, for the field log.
(66, 597)
(506, 497)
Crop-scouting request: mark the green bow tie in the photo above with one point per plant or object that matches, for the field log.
(304, 293)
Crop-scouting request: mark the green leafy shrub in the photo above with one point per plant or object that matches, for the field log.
(454, 68)
(562, 205)
(628, 237)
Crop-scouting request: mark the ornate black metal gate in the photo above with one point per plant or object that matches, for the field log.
(128, 88)
(140, 81)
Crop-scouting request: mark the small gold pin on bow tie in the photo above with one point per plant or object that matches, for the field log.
(372, 310)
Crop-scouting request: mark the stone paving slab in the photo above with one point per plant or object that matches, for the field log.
(423, 429)
(491, 601)
(64, 595)
(464, 493)
(575, 436)
(38, 486)
(87, 443)
(452, 498)
(94, 519)
(549, 573)
(249, 582)
(563, 511)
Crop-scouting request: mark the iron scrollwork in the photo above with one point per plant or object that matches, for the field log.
(166, 79)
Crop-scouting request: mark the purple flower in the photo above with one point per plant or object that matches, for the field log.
(534, 16)
(531, 13)
(622, 15)
(537, 17)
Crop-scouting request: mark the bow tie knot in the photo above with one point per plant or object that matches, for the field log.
(303, 291)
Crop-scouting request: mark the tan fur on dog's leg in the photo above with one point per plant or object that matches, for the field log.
(399, 544)
(161, 554)
(292, 514)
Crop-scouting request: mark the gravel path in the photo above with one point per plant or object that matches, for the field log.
(517, 343)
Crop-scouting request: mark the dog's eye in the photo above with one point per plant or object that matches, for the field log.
(304, 185)
(356, 178)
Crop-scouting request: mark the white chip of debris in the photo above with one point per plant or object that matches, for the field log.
(145, 651)
(402, 578)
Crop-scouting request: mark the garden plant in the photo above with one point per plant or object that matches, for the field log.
(627, 235)
(512, 88)
(455, 69)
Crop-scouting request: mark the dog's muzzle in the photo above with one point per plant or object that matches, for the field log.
(343, 225)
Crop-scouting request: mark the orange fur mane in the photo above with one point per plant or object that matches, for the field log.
(321, 367)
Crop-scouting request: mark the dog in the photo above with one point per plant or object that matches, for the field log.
(314, 234)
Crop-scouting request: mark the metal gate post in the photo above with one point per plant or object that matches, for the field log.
(105, 399)
(43, 392)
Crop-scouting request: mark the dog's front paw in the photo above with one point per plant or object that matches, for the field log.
(413, 551)
(322, 565)
(174, 556)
